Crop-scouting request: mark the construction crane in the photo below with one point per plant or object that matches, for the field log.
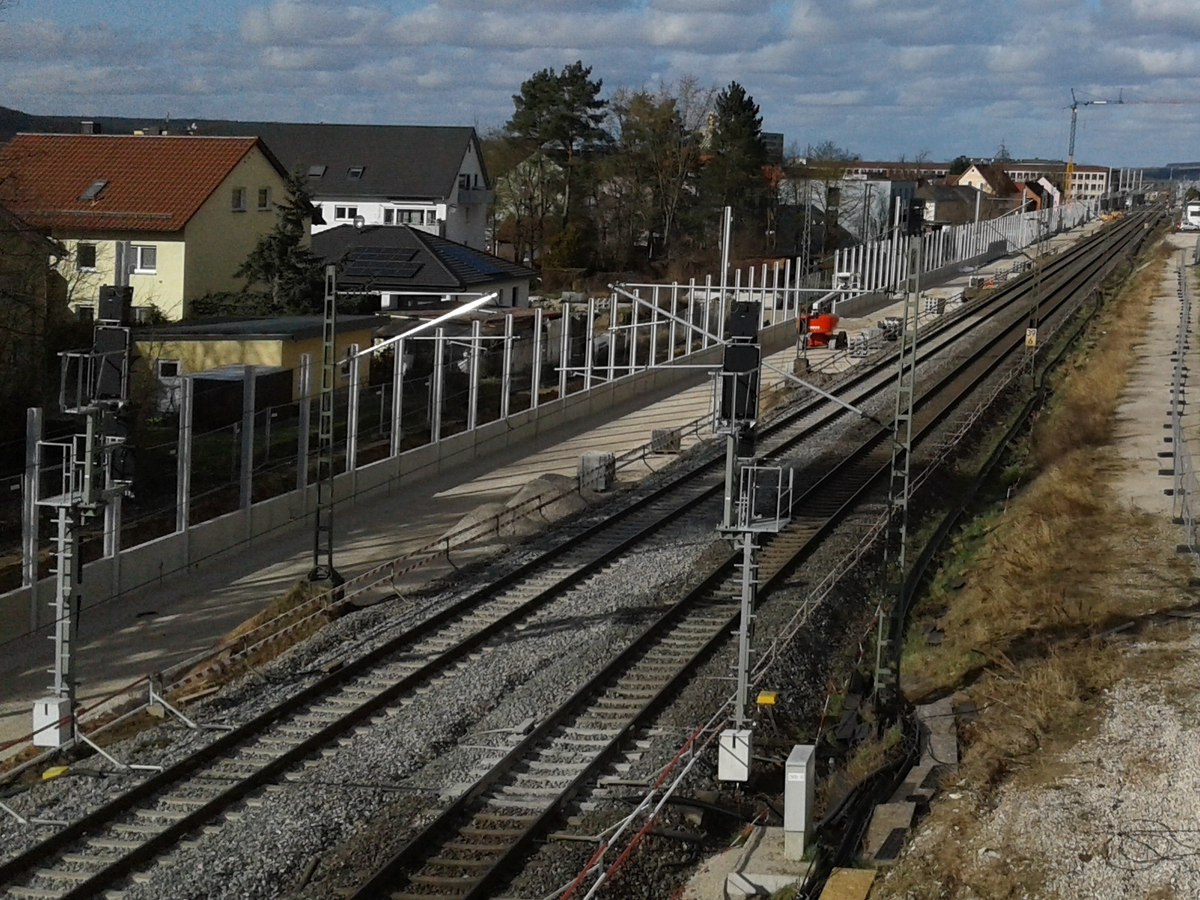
(1120, 101)
(1075, 104)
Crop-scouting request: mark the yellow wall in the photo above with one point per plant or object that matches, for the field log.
(191, 263)
(198, 356)
(218, 238)
(163, 289)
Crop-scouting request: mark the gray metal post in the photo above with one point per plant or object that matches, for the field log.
(726, 240)
(633, 335)
(397, 432)
(564, 358)
(354, 395)
(731, 475)
(183, 463)
(323, 568)
(112, 540)
(590, 346)
(305, 429)
(506, 370)
(749, 589)
(671, 330)
(66, 599)
(652, 360)
(247, 465)
(473, 376)
(29, 512)
(536, 386)
(614, 307)
(439, 385)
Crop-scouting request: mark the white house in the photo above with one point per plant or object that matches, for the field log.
(428, 177)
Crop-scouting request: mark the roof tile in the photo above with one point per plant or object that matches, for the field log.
(154, 183)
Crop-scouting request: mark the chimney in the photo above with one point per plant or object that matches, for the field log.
(87, 126)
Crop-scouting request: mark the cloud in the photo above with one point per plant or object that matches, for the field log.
(878, 76)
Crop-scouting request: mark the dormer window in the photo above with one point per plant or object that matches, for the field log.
(355, 173)
(93, 190)
(317, 171)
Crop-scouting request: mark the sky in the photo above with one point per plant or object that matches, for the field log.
(881, 78)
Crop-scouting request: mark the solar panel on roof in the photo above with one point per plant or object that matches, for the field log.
(476, 261)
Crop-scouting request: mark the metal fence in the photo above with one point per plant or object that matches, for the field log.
(1185, 492)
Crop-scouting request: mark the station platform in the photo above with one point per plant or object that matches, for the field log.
(155, 627)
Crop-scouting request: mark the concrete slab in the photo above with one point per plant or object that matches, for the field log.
(888, 821)
(849, 884)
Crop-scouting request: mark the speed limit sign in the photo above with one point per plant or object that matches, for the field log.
(1030, 337)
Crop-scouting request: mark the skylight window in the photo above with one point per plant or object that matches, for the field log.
(355, 173)
(317, 171)
(93, 190)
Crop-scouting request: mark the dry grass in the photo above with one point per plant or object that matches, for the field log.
(1027, 637)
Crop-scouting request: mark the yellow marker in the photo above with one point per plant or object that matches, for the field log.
(54, 772)
(767, 698)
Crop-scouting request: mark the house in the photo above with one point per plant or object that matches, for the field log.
(171, 352)
(408, 268)
(947, 204)
(990, 179)
(32, 303)
(176, 216)
(1088, 182)
(428, 177)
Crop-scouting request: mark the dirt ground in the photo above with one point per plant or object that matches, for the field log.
(1080, 775)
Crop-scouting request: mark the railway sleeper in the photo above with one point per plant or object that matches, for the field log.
(63, 875)
(473, 847)
(452, 863)
(171, 815)
(33, 893)
(97, 860)
(443, 881)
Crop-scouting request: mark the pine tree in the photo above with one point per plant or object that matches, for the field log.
(733, 175)
(282, 261)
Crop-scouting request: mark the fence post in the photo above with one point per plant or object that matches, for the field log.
(564, 357)
(473, 376)
(536, 387)
(305, 426)
(29, 512)
(590, 346)
(247, 468)
(183, 464)
(506, 372)
(439, 381)
(352, 401)
(397, 432)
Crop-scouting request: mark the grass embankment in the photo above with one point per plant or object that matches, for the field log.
(1027, 600)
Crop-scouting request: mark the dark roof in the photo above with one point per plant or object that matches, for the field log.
(403, 162)
(279, 328)
(85, 181)
(946, 193)
(403, 258)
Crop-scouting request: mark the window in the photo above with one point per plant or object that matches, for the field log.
(168, 368)
(316, 171)
(264, 199)
(345, 212)
(145, 260)
(93, 190)
(355, 173)
(389, 217)
(411, 217)
(85, 257)
(464, 182)
(86, 314)
(238, 200)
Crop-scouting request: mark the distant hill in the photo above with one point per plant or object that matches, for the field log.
(13, 121)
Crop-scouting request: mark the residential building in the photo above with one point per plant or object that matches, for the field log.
(1089, 182)
(428, 177)
(174, 217)
(990, 179)
(947, 205)
(172, 352)
(900, 170)
(407, 268)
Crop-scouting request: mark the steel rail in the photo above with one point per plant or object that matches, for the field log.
(849, 486)
(269, 772)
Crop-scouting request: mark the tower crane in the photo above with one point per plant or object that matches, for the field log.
(1120, 101)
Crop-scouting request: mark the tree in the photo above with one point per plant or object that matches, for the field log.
(826, 167)
(733, 173)
(959, 164)
(661, 147)
(561, 111)
(282, 261)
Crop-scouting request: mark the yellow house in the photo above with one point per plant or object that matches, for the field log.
(170, 352)
(172, 216)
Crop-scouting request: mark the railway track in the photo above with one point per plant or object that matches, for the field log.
(468, 852)
(127, 834)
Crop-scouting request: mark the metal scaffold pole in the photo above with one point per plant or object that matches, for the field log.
(900, 486)
(322, 567)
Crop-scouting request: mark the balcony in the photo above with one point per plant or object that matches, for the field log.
(474, 197)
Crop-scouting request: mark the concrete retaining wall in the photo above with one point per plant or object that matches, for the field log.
(205, 543)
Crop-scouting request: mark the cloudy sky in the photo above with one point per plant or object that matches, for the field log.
(880, 77)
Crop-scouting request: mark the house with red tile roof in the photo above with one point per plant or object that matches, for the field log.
(174, 215)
